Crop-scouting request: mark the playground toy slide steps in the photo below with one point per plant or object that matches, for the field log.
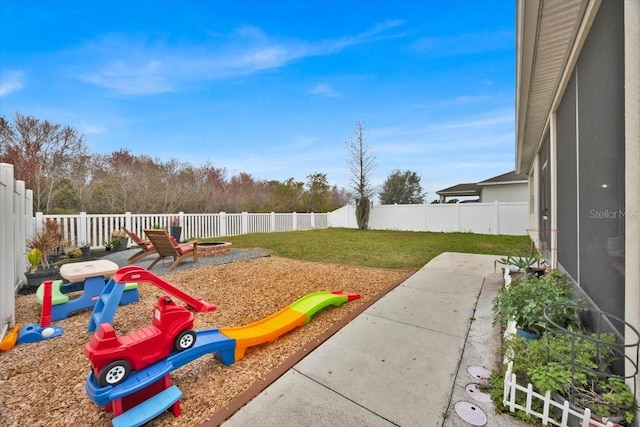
(149, 409)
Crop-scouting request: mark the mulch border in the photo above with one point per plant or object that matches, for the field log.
(243, 398)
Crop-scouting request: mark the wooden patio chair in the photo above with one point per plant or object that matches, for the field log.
(167, 246)
(146, 248)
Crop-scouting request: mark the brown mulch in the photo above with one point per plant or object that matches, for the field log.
(44, 383)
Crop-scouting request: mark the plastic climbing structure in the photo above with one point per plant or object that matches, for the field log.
(131, 375)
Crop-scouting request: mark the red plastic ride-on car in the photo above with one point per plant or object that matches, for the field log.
(112, 358)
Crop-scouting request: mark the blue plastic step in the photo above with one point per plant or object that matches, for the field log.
(149, 409)
(106, 306)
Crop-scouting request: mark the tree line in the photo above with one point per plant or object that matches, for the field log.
(55, 163)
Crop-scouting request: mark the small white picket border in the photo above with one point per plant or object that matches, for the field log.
(511, 387)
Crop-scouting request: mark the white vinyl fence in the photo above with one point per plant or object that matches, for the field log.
(16, 223)
(96, 229)
(482, 218)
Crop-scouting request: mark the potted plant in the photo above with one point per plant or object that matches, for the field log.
(41, 245)
(119, 240)
(68, 246)
(175, 230)
(85, 250)
(525, 300)
(529, 263)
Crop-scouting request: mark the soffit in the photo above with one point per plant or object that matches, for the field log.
(546, 32)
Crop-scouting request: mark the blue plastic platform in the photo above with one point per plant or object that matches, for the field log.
(149, 409)
(207, 342)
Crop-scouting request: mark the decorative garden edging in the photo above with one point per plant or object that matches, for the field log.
(511, 388)
(556, 410)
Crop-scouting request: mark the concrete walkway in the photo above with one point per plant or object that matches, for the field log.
(403, 362)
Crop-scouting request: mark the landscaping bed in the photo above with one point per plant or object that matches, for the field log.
(44, 383)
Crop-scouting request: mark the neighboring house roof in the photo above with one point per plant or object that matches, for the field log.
(468, 189)
(473, 189)
(506, 178)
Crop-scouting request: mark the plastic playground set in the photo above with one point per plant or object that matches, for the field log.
(131, 375)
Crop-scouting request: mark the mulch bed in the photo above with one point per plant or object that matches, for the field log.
(44, 383)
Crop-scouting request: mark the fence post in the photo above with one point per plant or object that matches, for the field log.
(458, 225)
(7, 264)
(83, 233)
(245, 223)
(128, 220)
(313, 221)
(223, 223)
(27, 227)
(294, 218)
(273, 222)
(39, 225)
(496, 222)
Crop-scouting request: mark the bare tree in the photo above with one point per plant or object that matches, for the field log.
(361, 163)
(42, 153)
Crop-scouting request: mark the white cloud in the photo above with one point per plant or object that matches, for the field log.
(465, 44)
(324, 90)
(131, 78)
(142, 67)
(89, 128)
(11, 82)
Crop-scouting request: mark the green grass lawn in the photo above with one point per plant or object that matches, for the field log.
(404, 250)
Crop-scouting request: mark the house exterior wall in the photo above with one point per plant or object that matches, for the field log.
(512, 192)
(632, 159)
(593, 126)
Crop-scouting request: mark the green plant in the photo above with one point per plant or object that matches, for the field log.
(525, 300)
(34, 257)
(576, 366)
(115, 244)
(46, 241)
(521, 262)
(606, 397)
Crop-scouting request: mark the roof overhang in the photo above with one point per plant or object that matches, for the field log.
(547, 31)
(481, 184)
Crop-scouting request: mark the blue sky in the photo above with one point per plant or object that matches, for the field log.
(273, 88)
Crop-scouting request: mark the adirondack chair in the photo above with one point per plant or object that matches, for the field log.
(146, 248)
(167, 246)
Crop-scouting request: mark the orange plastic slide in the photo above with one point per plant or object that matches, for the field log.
(297, 314)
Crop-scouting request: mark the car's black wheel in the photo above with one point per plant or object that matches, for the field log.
(114, 373)
(186, 339)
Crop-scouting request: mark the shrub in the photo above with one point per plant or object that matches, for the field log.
(525, 300)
